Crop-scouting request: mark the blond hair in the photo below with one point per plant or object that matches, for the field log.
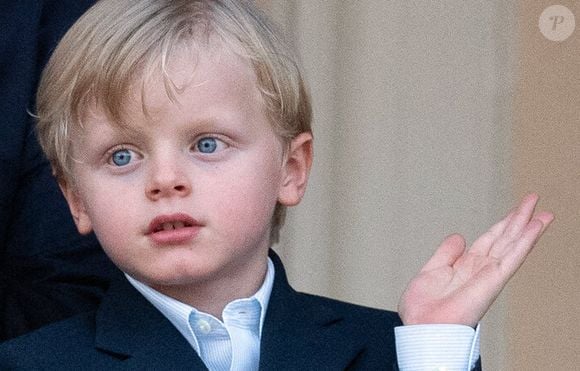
(116, 41)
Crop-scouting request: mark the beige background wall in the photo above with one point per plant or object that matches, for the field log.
(544, 300)
(433, 118)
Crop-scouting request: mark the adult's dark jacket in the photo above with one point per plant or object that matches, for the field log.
(47, 270)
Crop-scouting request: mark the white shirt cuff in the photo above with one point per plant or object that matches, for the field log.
(437, 347)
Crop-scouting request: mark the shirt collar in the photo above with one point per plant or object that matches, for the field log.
(178, 313)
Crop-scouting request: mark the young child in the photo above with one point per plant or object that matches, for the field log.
(179, 130)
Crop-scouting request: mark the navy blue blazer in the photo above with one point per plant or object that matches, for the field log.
(301, 332)
(47, 270)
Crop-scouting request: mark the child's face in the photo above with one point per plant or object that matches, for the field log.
(187, 195)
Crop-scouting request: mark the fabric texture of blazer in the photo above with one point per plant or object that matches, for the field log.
(47, 270)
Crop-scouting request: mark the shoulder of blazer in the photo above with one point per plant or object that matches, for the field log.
(125, 332)
(304, 331)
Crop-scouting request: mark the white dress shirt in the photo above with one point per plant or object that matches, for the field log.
(437, 347)
(229, 345)
(234, 343)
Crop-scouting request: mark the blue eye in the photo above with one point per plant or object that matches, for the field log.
(207, 145)
(122, 157)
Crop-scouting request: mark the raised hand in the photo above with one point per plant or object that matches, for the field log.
(458, 285)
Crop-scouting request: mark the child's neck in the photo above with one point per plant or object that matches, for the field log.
(212, 296)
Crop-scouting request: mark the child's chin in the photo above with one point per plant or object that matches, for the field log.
(172, 276)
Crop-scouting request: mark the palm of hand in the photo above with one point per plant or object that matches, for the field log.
(457, 286)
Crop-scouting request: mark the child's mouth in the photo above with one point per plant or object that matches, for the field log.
(168, 226)
(173, 229)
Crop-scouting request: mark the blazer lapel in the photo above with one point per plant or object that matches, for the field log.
(130, 328)
(300, 332)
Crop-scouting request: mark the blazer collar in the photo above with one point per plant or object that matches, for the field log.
(300, 331)
(132, 329)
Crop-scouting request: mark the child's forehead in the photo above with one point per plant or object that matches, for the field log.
(214, 71)
(192, 67)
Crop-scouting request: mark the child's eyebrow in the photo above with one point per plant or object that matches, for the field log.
(120, 131)
(129, 131)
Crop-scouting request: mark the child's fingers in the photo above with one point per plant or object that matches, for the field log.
(546, 218)
(515, 256)
(499, 228)
(522, 216)
(448, 252)
(495, 238)
(483, 244)
(515, 227)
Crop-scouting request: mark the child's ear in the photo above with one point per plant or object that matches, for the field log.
(298, 162)
(77, 208)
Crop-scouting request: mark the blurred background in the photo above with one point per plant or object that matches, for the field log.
(435, 117)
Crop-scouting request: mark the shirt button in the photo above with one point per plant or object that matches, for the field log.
(203, 326)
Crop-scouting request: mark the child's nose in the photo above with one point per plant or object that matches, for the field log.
(169, 182)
